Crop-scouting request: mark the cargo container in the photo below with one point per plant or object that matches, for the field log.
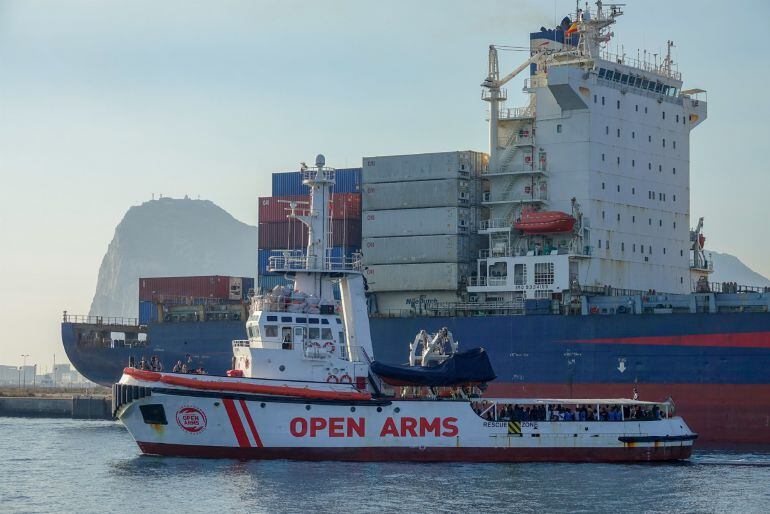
(347, 180)
(209, 286)
(263, 257)
(148, 312)
(436, 276)
(418, 222)
(274, 209)
(426, 166)
(416, 249)
(421, 194)
(292, 234)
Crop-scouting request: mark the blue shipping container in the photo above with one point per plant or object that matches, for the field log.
(148, 312)
(248, 284)
(263, 257)
(268, 282)
(347, 180)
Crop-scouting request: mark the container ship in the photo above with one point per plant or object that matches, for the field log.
(567, 250)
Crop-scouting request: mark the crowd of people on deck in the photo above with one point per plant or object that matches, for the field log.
(557, 412)
(154, 364)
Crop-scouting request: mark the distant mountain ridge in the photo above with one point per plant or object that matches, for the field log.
(172, 237)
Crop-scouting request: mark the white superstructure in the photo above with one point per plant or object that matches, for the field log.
(604, 139)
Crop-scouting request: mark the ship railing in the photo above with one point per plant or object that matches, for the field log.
(318, 174)
(189, 300)
(735, 288)
(533, 82)
(502, 94)
(289, 303)
(488, 281)
(641, 64)
(495, 223)
(510, 113)
(519, 168)
(98, 320)
(705, 264)
(536, 196)
(441, 309)
(300, 262)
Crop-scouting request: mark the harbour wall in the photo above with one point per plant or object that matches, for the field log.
(76, 407)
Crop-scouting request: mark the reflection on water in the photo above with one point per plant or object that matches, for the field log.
(87, 466)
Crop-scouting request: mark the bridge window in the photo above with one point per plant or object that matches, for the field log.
(544, 273)
(301, 320)
(272, 318)
(326, 334)
(286, 319)
(313, 333)
(314, 321)
(324, 321)
(271, 330)
(602, 71)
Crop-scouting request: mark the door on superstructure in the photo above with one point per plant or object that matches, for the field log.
(299, 337)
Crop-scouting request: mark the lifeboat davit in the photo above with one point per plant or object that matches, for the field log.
(544, 222)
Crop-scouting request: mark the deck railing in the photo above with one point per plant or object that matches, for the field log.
(98, 320)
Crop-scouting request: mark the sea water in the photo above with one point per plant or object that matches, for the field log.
(49, 465)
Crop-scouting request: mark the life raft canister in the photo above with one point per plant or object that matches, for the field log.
(332, 379)
(329, 347)
(346, 379)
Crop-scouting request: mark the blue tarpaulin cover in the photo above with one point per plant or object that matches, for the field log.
(471, 366)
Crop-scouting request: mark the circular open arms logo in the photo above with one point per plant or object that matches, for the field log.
(191, 419)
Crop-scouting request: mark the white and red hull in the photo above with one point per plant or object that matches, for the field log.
(197, 423)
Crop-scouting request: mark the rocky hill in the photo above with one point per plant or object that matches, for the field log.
(729, 268)
(171, 237)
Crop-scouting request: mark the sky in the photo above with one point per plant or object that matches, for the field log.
(105, 103)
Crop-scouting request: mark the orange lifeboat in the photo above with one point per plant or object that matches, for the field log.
(544, 222)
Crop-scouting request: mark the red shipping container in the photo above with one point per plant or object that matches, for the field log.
(292, 235)
(209, 286)
(273, 209)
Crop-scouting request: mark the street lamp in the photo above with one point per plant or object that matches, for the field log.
(23, 366)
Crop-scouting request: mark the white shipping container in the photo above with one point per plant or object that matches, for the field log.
(427, 166)
(412, 301)
(421, 194)
(437, 276)
(418, 222)
(416, 249)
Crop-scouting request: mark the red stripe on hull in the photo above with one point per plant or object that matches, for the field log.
(250, 421)
(235, 421)
(372, 454)
(718, 413)
(739, 340)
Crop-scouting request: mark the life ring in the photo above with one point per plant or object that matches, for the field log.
(332, 379)
(346, 379)
(315, 344)
(329, 347)
(594, 310)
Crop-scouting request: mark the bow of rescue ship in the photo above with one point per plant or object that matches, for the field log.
(290, 396)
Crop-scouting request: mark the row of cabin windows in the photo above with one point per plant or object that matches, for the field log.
(633, 248)
(633, 135)
(633, 164)
(313, 333)
(650, 194)
(636, 81)
(544, 272)
(312, 321)
(633, 220)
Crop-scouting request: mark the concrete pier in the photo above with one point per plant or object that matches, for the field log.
(77, 407)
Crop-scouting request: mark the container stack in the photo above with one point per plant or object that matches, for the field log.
(420, 216)
(278, 233)
(160, 295)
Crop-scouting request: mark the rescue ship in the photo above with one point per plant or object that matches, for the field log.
(290, 396)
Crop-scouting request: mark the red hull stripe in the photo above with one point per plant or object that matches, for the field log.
(451, 454)
(235, 421)
(739, 340)
(238, 386)
(250, 421)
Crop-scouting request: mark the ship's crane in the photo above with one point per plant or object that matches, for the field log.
(495, 94)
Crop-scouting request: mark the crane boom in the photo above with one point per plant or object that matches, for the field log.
(518, 70)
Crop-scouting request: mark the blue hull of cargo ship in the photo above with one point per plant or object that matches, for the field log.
(705, 361)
